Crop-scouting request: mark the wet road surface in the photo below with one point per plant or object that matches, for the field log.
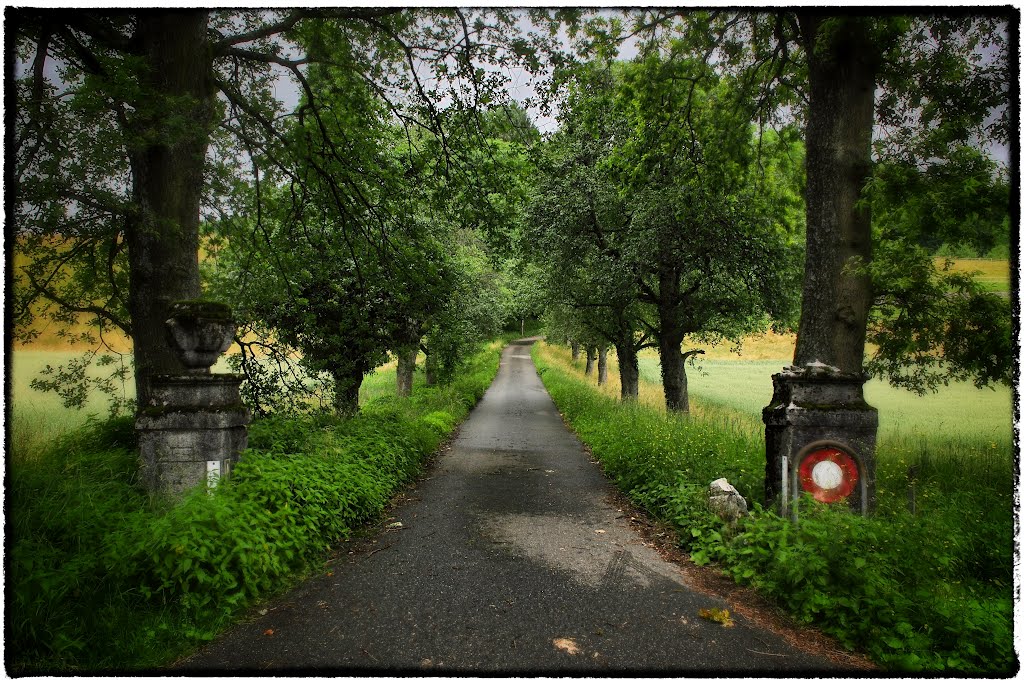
(510, 559)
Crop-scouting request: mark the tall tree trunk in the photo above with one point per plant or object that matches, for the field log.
(670, 342)
(591, 357)
(167, 153)
(346, 392)
(673, 372)
(430, 370)
(602, 365)
(406, 342)
(406, 369)
(842, 68)
(629, 369)
(575, 346)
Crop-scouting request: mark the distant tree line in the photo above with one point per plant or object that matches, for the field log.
(406, 206)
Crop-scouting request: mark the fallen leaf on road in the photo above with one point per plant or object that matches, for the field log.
(269, 632)
(566, 645)
(718, 615)
(395, 525)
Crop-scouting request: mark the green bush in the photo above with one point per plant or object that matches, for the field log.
(1000, 251)
(103, 577)
(951, 250)
(931, 591)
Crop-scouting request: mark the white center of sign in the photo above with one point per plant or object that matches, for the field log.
(827, 475)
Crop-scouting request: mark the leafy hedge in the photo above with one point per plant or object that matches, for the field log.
(102, 577)
(931, 591)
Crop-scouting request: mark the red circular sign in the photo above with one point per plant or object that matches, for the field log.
(829, 474)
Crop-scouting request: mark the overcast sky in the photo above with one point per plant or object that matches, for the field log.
(519, 86)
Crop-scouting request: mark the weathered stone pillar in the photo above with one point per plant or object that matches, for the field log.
(194, 425)
(820, 439)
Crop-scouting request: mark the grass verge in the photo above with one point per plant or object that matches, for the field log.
(931, 591)
(103, 578)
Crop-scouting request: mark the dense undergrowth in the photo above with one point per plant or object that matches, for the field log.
(102, 577)
(931, 591)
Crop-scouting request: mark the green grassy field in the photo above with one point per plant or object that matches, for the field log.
(40, 416)
(992, 274)
(960, 410)
(957, 431)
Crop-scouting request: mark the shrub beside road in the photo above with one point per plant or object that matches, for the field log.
(931, 591)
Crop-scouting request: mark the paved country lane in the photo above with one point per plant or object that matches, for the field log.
(509, 560)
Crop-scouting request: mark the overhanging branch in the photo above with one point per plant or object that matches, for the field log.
(98, 311)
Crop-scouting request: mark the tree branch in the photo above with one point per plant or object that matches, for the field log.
(691, 353)
(265, 57)
(87, 59)
(89, 23)
(221, 46)
(98, 311)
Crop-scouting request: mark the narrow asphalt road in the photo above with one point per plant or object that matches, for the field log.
(510, 559)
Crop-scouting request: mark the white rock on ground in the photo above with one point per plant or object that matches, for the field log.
(725, 501)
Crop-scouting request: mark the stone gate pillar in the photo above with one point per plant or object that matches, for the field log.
(195, 424)
(820, 439)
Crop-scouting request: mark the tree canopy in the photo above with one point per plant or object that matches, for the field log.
(820, 69)
(133, 125)
(403, 203)
(653, 183)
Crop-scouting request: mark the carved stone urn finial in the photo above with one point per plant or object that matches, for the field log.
(194, 426)
(199, 332)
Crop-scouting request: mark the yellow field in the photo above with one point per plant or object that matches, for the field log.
(48, 339)
(959, 411)
(650, 394)
(993, 274)
(767, 346)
